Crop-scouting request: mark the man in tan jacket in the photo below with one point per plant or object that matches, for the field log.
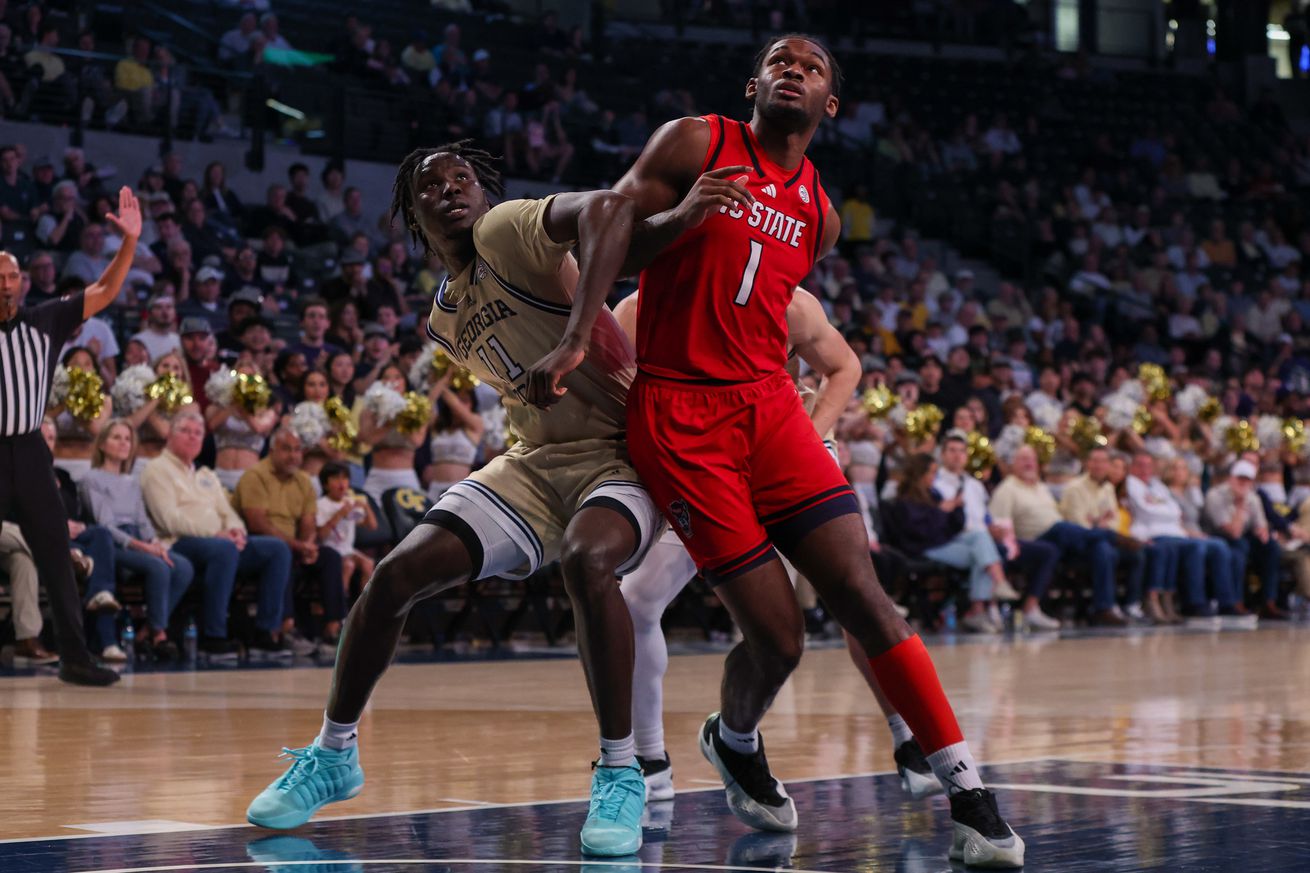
(191, 513)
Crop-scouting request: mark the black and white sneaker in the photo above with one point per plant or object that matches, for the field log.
(981, 837)
(658, 773)
(754, 796)
(917, 778)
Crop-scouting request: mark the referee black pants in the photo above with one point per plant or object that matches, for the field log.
(29, 495)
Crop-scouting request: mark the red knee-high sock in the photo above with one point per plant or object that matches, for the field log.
(909, 680)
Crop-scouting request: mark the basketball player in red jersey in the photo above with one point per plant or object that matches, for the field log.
(735, 217)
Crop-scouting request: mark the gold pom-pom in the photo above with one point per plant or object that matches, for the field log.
(1086, 434)
(462, 379)
(1143, 421)
(416, 414)
(1241, 438)
(172, 392)
(343, 439)
(1154, 380)
(1041, 441)
(1209, 411)
(878, 402)
(252, 392)
(85, 398)
(344, 430)
(923, 422)
(982, 457)
(1294, 436)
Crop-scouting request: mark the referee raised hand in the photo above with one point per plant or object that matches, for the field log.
(30, 340)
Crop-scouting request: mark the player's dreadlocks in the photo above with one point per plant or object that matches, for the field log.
(402, 190)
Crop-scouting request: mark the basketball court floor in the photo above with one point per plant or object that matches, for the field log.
(1177, 750)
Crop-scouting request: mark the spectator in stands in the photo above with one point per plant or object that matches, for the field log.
(417, 57)
(1157, 519)
(299, 199)
(206, 239)
(332, 202)
(136, 83)
(314, 324)
(1036, 560)
(13, 72)
(273, 39)
(339, 511)
(221, 203)
(192, 515)
(19, 206)
(277, 500)
(925, 525)
(159, 333)
(1026, 501)
(113, 496)
(450, 57)
(548, 145)
(351, 285)
(857, 218)
(200, 351)
(504, 126)
(90, 260)
(25, 613)
(54, 85)
(352, 220)
(41, 275)
(276, 270)
(234, 48)
(1234, 513)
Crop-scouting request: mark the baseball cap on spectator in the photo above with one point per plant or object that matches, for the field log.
(351, 256)
(44, 161)
(873, 363)
(248, 296)
(372, 328)
(965, 273)
(209, 274)
(481, 55)
(253, 321)
(1284, 338)
(161, 298)
(195, 324)
(907, 376)
(1242, 470)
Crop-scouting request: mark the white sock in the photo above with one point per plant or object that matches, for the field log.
(650, 741)
(743, 744)
(336, 735)
(618, 753)
(901, 733)
(955, 768)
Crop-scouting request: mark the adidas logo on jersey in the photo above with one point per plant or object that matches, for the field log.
(770, 189)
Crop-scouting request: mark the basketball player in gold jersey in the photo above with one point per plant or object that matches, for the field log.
(566, 491)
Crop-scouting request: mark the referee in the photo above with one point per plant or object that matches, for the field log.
(30, 340)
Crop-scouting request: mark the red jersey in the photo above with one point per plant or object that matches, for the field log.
(713, 305)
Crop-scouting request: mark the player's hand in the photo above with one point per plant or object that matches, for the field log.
(543, 385)
(724, 187)
(128, 219)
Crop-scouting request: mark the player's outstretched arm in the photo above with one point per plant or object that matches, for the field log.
(601, 222)
(819, 344)
(669, 195)
(104, 290)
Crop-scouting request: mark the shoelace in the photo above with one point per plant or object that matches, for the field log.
(306, 765)
(985, 817)
(614, 795)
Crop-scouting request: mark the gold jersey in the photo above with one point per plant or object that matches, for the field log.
(499, 316)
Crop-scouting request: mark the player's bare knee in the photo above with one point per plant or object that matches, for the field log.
(588, 568)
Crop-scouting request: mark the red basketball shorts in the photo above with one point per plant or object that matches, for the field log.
(737, 469)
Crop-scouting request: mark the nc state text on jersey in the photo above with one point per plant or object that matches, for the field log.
(771, 221)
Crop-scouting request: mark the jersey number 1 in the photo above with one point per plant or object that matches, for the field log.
(748, 275)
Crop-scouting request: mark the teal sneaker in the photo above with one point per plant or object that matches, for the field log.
(613, 826)
(317, 777)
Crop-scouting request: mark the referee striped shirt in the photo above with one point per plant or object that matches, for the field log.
(29, 346)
